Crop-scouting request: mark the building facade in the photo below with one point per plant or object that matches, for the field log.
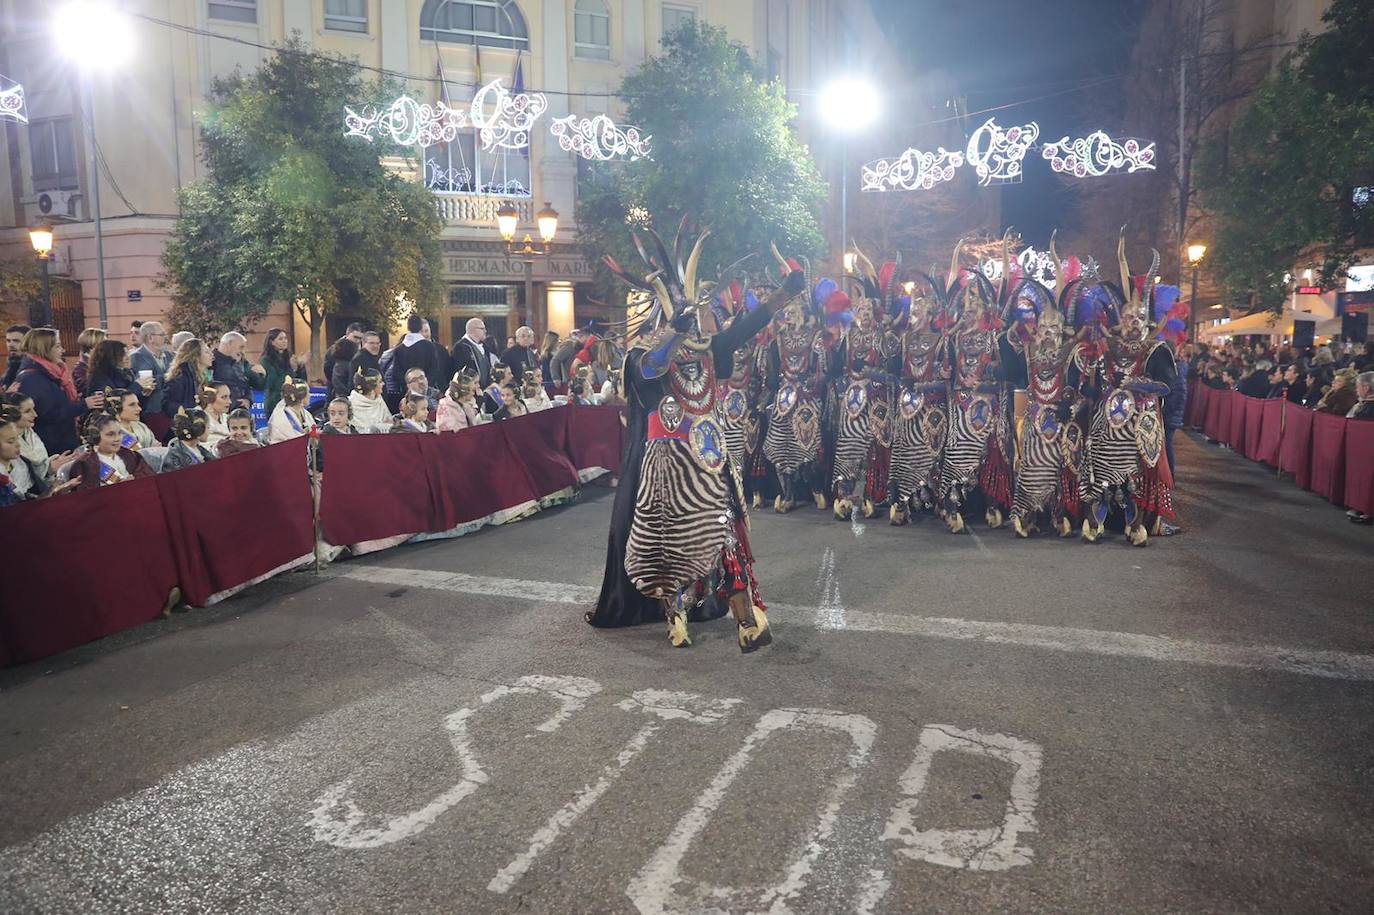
(146, 116)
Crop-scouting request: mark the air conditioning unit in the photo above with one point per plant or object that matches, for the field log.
(55, 203)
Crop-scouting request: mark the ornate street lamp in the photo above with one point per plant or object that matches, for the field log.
(41, 239)
(1196, 252)
(508, 223)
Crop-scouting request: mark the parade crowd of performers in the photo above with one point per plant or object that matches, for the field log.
(960, 398)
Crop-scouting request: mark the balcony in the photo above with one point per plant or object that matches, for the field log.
(479, 210)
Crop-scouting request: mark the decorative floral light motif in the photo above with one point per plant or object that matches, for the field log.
(441, 178)
(913, 170)
(1098, 154)
(1034, 263)
(502, 120)
(599, 138)
(12, 102)
(996, 153)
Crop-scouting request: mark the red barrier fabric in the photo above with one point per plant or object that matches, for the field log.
(160, 424)
(1328, 456)
(1295, 453)
(1254, 417)
(375, 486)
(596, 437)
(1199, 397)
(236, 519)
(540, 441)
(93, 563)
(475, 473)
(1236, 438)
(1359, 465)
(1271, 432)
(1217, 425)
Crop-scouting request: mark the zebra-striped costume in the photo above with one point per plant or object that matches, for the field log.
(921, 417)
(863, 411)
(677, 534)
(793, 438)
(973, 454)
(1049, 442)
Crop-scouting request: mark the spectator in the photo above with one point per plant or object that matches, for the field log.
(109, 368)
(417, 382)
(1315, 390)
(20, 478)
(1297, 384)
(30, 445)
(106, 462)
(470, 354)
(338, 417)
(340, 360)
(511, 404)
(458, 408)
(560, 366)
(369, 409)
(603, 361)
(241, 436)
(440, 367)
(229, 366)
(278, 364)
(520, 355)
(414, 415)
(1254, 382)
(1175, 406)
(417, 351)
(532, 391)
(290, 419)
(546, 353)
(123, 405)
(611, 394)
(577, 393)
(1364, 390)
(189, 370)
(1365, 361)
(1278, 383)
(86, 341)
(14, 337)
(44, 378)
(179, 338)
(1339, 398)
(353, 334)
(151, 359)
(368, 358)
(213, 398)
(135, 333)
(188, 447)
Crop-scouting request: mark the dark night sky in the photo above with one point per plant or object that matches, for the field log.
(996, 52)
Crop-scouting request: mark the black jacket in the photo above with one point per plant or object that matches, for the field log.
(521, 359)
(474, 358)
(181, 390)
(364, 360)
(422, 354)
(57, 416)
(236, 374)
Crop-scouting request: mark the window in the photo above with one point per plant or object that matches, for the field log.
(674, 17)
(234, 10)
(489, 23)
(346, 15)
(462, 167)
(53, 155)
(592, 29)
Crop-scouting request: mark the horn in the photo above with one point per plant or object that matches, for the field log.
(782, 261)
(677, 244)
(689, 276)
(1005, 290)
(953, 277)
(1058, 267)
(673, 278)
(872, 271)
(1147, 294)
(639, 246)
(1121, 262)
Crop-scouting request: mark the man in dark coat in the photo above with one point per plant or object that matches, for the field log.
(232, 369)
(14, 336)
(471, 353)
(522, 356)
(369, 357)
(354, 333)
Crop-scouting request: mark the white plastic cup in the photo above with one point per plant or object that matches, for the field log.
(145, 375)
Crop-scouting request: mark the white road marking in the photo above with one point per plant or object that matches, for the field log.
(665, 706)
(831, 608)
(978, 542)
(655, 888)
(855, 525)
(994, 848)
(355, 829)
(872, 891)
(1308, 662)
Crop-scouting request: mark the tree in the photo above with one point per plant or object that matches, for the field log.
(723, 154)
(292, 211)
(1284, 184)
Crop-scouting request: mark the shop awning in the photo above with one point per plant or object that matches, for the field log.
(1266, 323)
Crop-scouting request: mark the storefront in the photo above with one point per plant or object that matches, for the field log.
(485, 282)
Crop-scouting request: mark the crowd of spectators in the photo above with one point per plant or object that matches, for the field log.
(1333, 378)
(132, 406)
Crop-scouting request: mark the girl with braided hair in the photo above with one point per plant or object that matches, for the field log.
(190, 429)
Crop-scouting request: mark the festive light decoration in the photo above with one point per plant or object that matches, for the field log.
(12, 101)
(996, 153)
(913, 170)
(1034, 263)
(438, 177)
(502, 120)
(599, 138)
(1097, 154)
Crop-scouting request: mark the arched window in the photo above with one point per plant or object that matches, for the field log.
(592, 29)
(489, 23)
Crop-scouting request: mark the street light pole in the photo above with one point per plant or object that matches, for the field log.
(1192, 307)
(89, 102)
(844, 199)
(47, 294)
(41, 239)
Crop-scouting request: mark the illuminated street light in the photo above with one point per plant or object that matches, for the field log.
(41, 239)
(1196, 252)
(847, 105)
(94, 36)
(547, 219)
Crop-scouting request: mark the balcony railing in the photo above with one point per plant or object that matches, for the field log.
(478, 211)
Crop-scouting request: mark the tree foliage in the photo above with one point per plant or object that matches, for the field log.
(1283, 183)
(292, 211)
(723, 154)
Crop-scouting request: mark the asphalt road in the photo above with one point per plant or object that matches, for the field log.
(943, 724)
